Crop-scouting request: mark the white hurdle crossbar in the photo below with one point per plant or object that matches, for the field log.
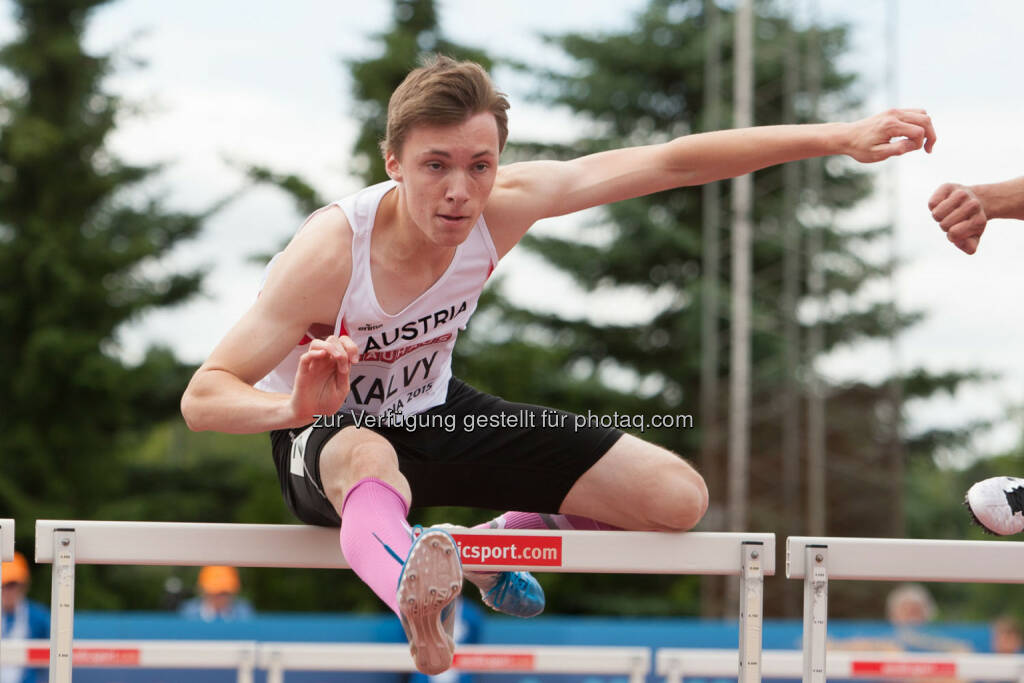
(818, 559)
(6, 540)
(143, 654)
(67, 543)
(6, 555)
(676, 665)
(634, 662)
(277, 658)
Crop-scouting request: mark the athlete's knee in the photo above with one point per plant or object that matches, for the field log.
(371, 459)
(345, 462)
(679, 499)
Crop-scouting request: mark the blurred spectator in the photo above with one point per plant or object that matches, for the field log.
(1006, 636)
(22, 618)
(218, 598)
(910, 607)
(909, 604)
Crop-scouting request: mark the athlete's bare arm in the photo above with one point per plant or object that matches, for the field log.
(304, 288)
(963, 211)
(529, 191)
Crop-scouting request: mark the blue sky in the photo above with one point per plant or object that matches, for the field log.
(264, 82)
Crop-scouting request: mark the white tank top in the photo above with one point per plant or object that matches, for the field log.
(405, 360)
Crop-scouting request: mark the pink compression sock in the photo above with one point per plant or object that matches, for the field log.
(536, 520)
(375, 537)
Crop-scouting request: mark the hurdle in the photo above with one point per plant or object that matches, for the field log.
(66, 543)
(142, 654)
(816, 560)
(676, 665)
(634, 662)
(6, 540)
(6, 555)
(277, 658)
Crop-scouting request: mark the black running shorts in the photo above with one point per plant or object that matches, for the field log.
(474, 450)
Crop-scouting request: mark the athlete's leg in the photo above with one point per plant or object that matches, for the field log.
(359, 471)
(419, 578)
(354, 454)
(637, 485)
(538, 520)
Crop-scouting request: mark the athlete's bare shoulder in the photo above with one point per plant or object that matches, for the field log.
(314, 269)
(302, 292)
(517, 201)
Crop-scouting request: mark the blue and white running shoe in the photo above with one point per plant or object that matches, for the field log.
(430, 582)
(515, 593)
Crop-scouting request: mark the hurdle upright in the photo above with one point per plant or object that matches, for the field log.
(816, 560)
(6, 555)
(749, 557)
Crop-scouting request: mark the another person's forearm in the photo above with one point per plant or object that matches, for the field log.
(1002, 200)
(218, 401)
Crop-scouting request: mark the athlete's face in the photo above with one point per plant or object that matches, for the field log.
(447, 173)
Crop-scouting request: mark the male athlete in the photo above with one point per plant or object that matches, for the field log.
(963, 213)
(345, 357)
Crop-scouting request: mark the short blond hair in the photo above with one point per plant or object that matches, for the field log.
(442, 91)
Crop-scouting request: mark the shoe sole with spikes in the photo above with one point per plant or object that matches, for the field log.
(431, 581)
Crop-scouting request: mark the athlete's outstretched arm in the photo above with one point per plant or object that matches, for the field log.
(529, 191)
(221, 396)
(963, 211)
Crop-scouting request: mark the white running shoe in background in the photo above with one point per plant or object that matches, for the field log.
(997, 505)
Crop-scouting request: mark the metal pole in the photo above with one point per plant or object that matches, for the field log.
(751, 612)
(711, 219)
(639, 672)
(792, 491)
(62, 605)
(711, 257)
(275, 669)
(816, 437)
(815, 612)
(247, 666)
(675, 674)
(895, 384)
(742, 200)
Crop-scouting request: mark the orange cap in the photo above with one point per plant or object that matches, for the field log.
(15, 570)
(218, 579)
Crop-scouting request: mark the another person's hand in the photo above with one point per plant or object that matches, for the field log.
(890, 134)
(322, 380)
(960, 214)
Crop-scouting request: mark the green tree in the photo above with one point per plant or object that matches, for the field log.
(416, 32)
(643, 85)
(633, 87)
(79, 240)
